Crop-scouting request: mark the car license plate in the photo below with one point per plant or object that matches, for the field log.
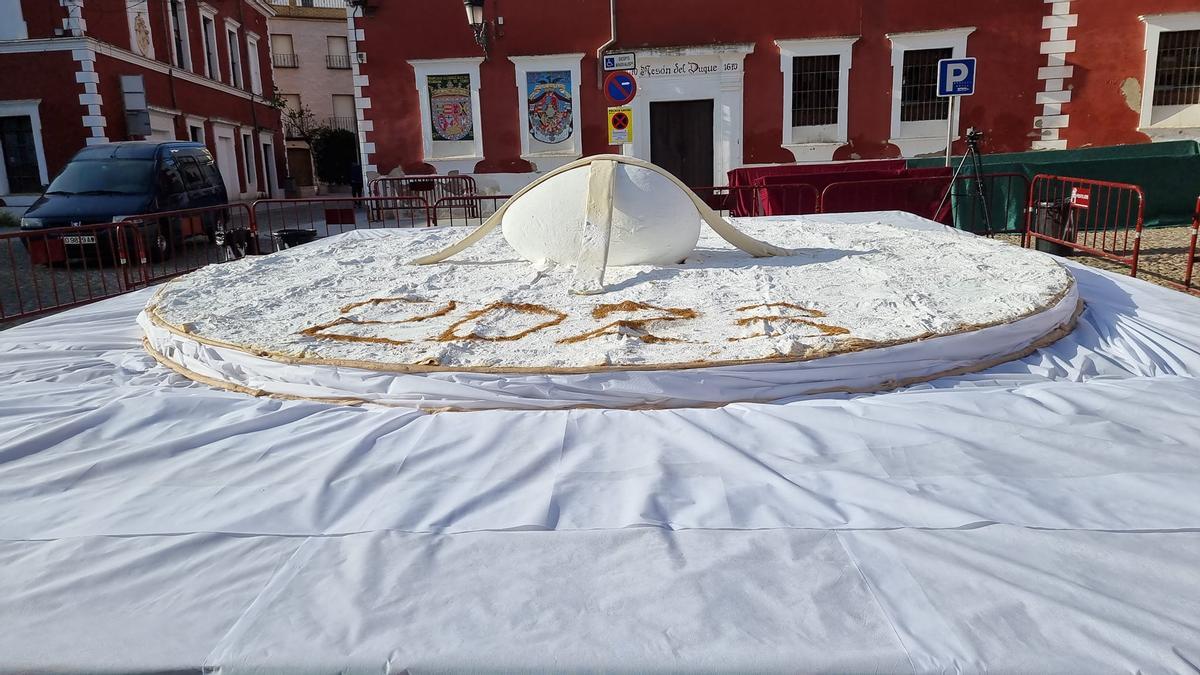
(81, 239)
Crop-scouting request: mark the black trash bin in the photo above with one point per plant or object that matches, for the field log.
(292, 236)
(1054, 219)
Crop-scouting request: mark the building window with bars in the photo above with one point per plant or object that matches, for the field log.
(816, 81)
(1177, 76)
(815, 85)
(918, 86)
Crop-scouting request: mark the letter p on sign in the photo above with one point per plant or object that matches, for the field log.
(956, 77)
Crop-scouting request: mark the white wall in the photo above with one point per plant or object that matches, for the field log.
(12, 23)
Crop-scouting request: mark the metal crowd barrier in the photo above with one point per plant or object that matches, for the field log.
(721, 198)
(1100, 218)
(758, 200)
(1191, 254)
(284, 222)
(778, 199)
(921, 196)
(1189, 266)
(430, 188)
(52, 269)
(48, 270)
(171, 243)
(466, 211)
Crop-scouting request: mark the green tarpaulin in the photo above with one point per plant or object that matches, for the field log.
(1168, 173)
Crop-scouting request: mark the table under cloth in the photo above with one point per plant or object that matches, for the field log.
(1037, 516)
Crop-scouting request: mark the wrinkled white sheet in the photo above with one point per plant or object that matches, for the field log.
(1039, 516)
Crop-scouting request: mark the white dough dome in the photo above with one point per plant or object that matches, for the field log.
(654, 222)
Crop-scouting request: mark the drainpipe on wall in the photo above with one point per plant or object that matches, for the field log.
(170, 51)
(612, 40)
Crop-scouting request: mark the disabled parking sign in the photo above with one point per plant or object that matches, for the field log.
(956, 77)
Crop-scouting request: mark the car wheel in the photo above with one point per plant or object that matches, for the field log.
(158, 246)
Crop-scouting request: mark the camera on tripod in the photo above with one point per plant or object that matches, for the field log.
(973, 137)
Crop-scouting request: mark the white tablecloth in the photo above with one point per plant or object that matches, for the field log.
(1039, 516)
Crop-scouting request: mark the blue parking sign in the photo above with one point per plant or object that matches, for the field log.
(956, 77)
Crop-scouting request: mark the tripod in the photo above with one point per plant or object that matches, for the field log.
(972, 155)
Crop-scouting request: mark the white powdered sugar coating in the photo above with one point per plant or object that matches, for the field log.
(846, 288)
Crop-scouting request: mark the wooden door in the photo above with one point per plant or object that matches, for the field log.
(681, 139)
(300, 164)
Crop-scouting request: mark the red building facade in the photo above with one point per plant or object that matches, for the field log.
(720, 86)
(205, 69)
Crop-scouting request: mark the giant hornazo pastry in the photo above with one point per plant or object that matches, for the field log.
(860, 307)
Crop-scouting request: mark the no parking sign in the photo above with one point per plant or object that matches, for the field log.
(620, 126)
(620, 87)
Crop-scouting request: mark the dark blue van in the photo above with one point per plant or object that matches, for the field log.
(113, 181)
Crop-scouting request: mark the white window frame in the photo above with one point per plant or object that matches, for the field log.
(345, 43)
(234, 44)
(1154, 119)
(212, 67)
(253, 62)
(423, 69)
(570, 149)
(184, 60)
(270, 170)
(27, 108)
(249, 166)
(811, 148)
(12, 22)
(926, 136)
(197, 122)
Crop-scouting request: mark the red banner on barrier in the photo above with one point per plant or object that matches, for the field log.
(1080, 197)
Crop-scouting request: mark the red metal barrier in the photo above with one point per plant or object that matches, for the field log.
(1190, 264)
(466, 211)
(327, 216)
(1097, 217)
(171, 243)
(785, 199)
(728, 200)
(1191, 254)
(52, 269)
(915, 195)
(430, 188)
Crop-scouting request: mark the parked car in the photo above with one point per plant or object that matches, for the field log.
(120, 181)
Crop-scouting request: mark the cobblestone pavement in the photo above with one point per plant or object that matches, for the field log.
(1164, 256)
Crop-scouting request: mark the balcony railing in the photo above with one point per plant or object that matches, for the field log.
(347, 123)
(285, 60)
(337, 61)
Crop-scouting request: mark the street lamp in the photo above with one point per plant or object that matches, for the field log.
(477, 22)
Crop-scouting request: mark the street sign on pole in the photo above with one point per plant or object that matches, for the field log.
(620, 126)
(956, 77)
(620, 61)
(620, 87)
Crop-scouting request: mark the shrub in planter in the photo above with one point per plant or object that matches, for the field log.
(335, 154)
